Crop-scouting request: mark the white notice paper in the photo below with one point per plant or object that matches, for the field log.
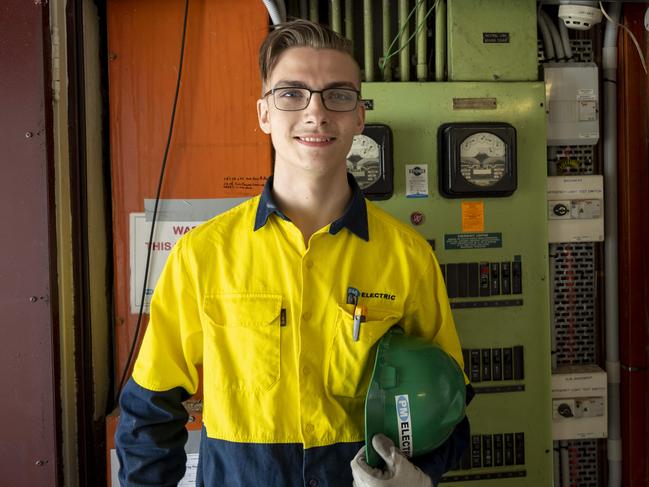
(416, 180)
(166, 235)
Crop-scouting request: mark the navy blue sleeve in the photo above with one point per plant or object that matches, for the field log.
(151, 435)
(447, 456)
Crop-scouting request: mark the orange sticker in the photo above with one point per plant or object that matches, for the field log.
(473, 216)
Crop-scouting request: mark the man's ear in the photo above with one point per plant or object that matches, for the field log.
(360, 122)
(263, 115)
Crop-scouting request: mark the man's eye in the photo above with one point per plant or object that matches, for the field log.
(290, 93)
(340, 95)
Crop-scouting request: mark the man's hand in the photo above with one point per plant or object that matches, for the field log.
(398, 472)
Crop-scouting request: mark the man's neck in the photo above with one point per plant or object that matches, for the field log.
(311, 201)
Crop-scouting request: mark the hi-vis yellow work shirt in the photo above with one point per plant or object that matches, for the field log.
(268, 318)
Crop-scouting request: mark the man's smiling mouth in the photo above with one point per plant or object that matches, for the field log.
(315, 140)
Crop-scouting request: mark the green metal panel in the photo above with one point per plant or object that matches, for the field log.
(492, 40)
(414, 111)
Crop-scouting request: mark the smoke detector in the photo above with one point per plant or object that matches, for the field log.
(580, 17)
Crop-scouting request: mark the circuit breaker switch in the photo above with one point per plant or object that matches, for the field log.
(474, 279)
(495, 278)
(497, 364)
(498, 450)
(476, 451)
(509, 449)
(517, 277)
(519, 366)
(485, 289)
(486, 364)
(475, 365)
(508, 365)
(452, 280)
(487, 458)
(519, 446)
(505, 278)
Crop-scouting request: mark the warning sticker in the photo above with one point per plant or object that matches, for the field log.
(473, 216)
(460, 241)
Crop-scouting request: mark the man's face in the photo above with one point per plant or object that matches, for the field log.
(315, 139)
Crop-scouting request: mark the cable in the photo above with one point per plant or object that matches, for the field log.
(554, 33)
(273, 11)
(565, 40)
(548, 45)
(637, 46)
(383, 62)
(155, 208)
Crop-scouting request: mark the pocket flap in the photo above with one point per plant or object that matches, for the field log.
(244, 309)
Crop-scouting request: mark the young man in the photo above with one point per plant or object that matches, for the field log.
(259, 297)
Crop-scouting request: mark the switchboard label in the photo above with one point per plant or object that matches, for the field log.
(495, 37)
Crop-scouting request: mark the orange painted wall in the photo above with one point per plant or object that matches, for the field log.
(217, 148)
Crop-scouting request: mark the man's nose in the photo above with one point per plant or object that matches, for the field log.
(315, 111)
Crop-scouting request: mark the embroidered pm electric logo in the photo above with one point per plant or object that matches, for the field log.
(354, 294)
(404, 424)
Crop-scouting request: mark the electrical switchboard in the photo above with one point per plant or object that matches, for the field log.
(493, 253)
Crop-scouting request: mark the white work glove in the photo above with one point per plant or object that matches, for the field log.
(398, 472)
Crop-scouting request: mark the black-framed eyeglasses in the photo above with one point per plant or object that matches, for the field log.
(291, 99)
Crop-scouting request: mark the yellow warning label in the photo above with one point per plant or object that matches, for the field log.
(473, 216)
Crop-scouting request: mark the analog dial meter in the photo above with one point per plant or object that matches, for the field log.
(370, 161)
(477, 159)
(363, 160)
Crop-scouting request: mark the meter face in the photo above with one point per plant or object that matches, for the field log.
(363, 160)
(482, 159)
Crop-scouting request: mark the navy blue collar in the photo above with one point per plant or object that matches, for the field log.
(354, 217)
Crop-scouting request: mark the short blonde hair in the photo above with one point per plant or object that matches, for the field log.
(299, 33)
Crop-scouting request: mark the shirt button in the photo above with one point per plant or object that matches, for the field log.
(313, 483)
(306, 316)
(309, 263)
(308, 428)
(306, 370)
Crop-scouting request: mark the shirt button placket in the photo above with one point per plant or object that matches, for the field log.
(306, 386)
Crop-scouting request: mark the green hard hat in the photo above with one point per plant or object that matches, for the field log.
(416, 395)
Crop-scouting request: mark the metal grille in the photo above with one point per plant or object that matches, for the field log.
(570, 159)
(573, 300)
(583, 463)
(582, 51)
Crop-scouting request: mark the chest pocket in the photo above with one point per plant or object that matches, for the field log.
(350, 363)
(242, 341)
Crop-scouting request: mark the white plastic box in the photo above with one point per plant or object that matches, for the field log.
(572, 103)
(575, 208)
(579, 405)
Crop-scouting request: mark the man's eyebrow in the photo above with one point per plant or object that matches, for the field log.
(300, 84)
(293, 84)
(342, 84)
